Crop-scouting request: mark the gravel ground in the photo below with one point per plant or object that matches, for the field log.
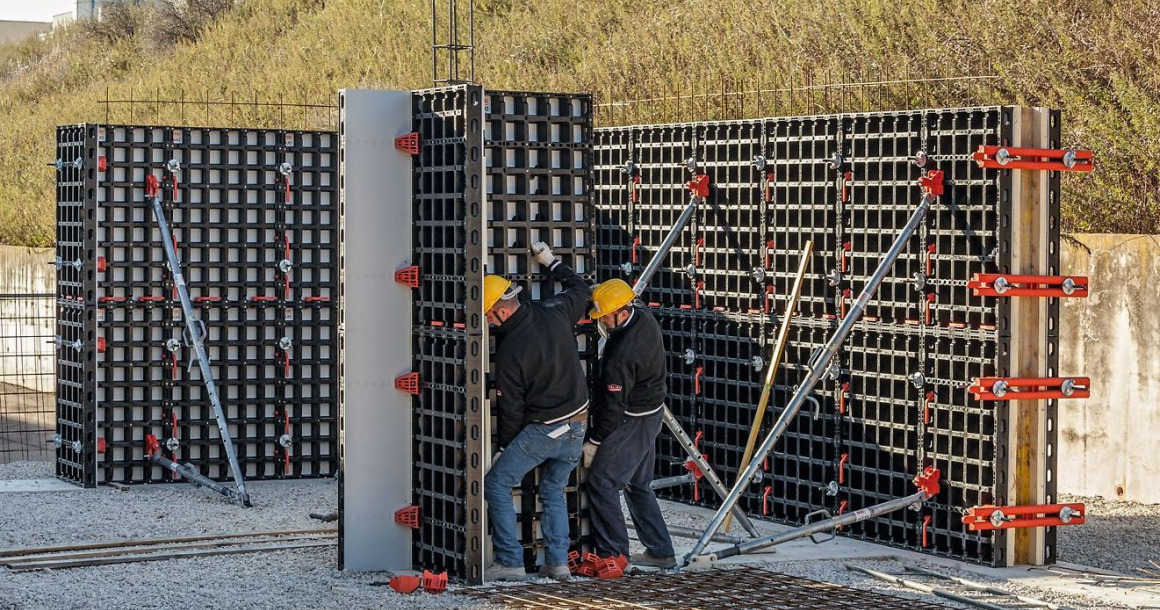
(1118, 536)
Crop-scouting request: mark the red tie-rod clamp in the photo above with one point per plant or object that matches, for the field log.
(1008, 388)
(1000, 285)
(1046, 159)
(988, 517)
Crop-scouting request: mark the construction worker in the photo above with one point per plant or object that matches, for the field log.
(541, 410)
(621, 447)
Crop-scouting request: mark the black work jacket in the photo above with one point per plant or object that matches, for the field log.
(631, 381)
(538, 374)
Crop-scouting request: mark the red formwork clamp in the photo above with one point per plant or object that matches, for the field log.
(152, 186)
(408, 383)
(408, 516)
(930, 398)
(611, 567)
(697, 380)
(408, 276)
(1045, 159)
(434, 583)
(573, 561)
(405, 584)
(585, 565)
(842, 468)
(765, 500)
(927, 481)
(925, 526)
(699, 185)
(931, 249)
(635, 188)
(999, 285)
(1030, 388)
(152, 447)
(408, 143)
(989, 517)
(691, 465)
(847, 247)
(847, 182)
(770, 177)
(933, 183)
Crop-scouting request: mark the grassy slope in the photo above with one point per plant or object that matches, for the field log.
(1097, 60)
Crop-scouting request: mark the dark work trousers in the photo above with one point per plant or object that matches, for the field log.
(624, 461)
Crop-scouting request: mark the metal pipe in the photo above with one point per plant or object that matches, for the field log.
(195, 338)
(655, 263)
(809, 529)
(917, 586)
(671, 481)
(978, 586)
(817, 370)
(707, 470)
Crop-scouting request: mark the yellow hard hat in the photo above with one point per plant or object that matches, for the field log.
(496, 287)
(609, 297)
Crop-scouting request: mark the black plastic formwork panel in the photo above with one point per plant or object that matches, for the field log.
(254, 220)
(895, 398)
(538, 187)
(447, 343)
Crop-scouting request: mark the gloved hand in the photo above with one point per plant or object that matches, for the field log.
(587, 453)
(495, 458)
(543, 254)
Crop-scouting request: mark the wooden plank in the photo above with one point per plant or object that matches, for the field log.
(154, 549)
(153, 541)
(104, 561)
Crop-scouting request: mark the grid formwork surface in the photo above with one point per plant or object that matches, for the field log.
(254, 221)
(496, 171)
(896, 399)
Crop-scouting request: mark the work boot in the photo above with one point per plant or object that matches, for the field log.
(498, 571)
(559, 572)
(647, 559)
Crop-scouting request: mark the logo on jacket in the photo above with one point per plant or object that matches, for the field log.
(499, 392)
(612, 387)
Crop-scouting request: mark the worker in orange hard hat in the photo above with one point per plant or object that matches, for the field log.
(541, 409)
(621, 448)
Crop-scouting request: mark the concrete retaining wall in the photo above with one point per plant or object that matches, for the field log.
(26, 323)
(1108, 443)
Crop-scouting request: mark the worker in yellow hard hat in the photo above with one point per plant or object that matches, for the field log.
(541, 409)
(621, 448)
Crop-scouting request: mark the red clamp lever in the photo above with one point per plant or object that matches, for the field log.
(1046, 159)
(152, 187)
(1006, 388)
(998, 285)
(989, 517)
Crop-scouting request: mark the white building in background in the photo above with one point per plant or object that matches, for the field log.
(16, 31)
(92, 8)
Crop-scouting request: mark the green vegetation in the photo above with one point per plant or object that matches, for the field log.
(1097, 60)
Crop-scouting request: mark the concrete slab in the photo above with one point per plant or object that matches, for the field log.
(36, 485)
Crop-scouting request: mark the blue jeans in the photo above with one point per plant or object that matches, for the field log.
(532, 447)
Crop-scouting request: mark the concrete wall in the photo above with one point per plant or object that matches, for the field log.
(16, 31)
(26, 324)
(1108, 443)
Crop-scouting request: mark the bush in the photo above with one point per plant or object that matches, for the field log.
(184, 20)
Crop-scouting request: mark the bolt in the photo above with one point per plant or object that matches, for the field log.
(626, 268)
(999, 388)
(173, 345)
(835, 277)
(285, 266)
(1069, 159)
(285, 344)
(836, 162)
(1068, 286)
(629, 169)
(1067, 513)
(56, 440)
(919, 280)
(831, 488)
(758, 362)
(172, 444)
(1001, 285)
(691, 164)
(285, 440)
(285, 168)
(834, 371)
(919, 159)
(173, 166)
(690, 356)
(998, 518)
(759, 162)
(77, 447)
(1067, 387)
(758, 274)
(917, 380)
(691, 270)
(758, 477)
(1003, 156)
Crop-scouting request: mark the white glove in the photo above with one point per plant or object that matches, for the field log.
(495, 458)
(543, 254)
(588, 452)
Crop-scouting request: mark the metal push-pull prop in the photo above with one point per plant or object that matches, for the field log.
(195, 336)
(932, 186)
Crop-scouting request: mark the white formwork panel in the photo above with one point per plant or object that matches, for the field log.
(375, 330)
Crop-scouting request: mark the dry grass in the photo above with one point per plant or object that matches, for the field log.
(1097, 60)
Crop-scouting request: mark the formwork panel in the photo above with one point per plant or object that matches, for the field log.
(254, 220)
